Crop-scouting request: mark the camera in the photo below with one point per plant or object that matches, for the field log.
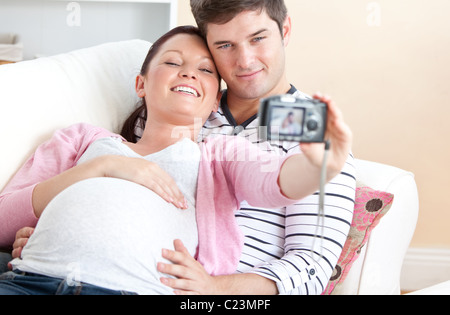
(289, 118)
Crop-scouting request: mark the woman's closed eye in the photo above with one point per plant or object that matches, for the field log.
(207, 70)
(203, 69)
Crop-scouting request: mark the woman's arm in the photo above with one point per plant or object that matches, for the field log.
(263, 180)
(307, 166)
(53, 157)
(139, 171)
(136, 170)
(52, 168)
(295, 169)
(45, 191)
(193, 279)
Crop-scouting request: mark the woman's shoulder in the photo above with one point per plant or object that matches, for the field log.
(85, 130)
(78, 137)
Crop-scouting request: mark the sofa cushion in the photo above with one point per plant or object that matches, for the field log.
(370, 206)
(94, 85)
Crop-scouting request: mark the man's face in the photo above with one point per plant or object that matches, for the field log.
(249, 52)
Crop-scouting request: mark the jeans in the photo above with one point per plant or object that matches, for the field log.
(22, 283)
(4, 260)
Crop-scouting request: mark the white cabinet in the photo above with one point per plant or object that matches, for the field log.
(48, 27)
(173, 4)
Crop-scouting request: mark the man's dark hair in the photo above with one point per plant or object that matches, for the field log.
(223, 11)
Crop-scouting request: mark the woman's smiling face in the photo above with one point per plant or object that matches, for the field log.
(181, 83)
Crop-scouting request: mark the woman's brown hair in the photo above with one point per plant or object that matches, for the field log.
(138, 118)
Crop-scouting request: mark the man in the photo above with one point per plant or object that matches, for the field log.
(281, 254)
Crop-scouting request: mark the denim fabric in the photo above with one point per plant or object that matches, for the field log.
(21, 283)
(4, 260)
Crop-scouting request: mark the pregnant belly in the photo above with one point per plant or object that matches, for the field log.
(113, 225)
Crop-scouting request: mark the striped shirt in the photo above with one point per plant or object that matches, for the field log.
(281, 244)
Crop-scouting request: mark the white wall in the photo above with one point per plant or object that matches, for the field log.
(49, 27)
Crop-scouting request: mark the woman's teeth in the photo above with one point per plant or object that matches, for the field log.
(186, 89)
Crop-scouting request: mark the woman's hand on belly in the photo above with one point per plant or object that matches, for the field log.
(136, 170)
(147, 174)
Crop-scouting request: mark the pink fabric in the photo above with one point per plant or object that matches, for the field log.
(231, 170)
(57, 155)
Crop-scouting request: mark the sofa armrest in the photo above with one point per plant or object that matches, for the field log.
(378, 269)
(439, 289)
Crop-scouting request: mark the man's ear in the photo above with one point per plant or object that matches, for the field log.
(287, 30)
(140, 91)
(216, 105)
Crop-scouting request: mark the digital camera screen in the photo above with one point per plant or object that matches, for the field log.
(287, 121)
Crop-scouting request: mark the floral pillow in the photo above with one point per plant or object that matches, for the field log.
(370, 207)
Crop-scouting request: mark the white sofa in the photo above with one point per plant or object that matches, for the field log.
(96, 85)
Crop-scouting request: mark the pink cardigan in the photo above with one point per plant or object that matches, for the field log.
(231, 170)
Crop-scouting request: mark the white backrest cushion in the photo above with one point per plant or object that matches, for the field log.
(93, 85)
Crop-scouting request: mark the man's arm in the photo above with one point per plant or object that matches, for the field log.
(313, 244)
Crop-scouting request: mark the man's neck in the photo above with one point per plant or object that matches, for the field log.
(243, 109)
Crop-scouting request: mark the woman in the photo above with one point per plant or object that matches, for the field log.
(102, 223)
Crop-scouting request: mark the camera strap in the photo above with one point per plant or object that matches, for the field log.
(321, 211)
